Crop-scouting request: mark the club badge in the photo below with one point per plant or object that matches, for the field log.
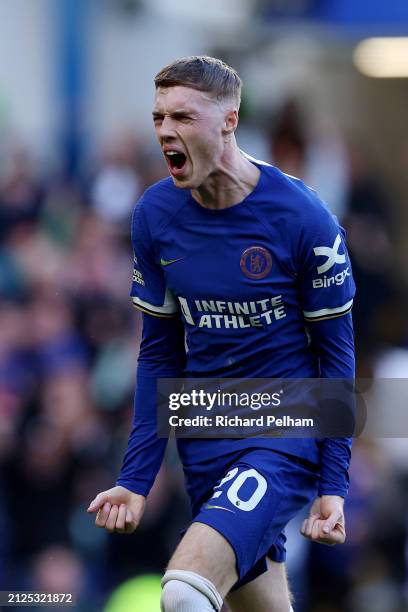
(256, 262)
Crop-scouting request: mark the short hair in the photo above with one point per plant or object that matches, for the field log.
(203, 73)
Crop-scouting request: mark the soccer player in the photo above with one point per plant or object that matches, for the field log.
(240, 271)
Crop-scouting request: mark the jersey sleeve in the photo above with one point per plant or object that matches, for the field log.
(326, 292)
(325, 277)
(333, 342)
(162, 355)
(149, 292)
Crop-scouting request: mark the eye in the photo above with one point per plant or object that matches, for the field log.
(182, 118)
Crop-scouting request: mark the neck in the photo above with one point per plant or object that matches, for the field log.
(231, 182)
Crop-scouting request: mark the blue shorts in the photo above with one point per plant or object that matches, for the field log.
(249, 498)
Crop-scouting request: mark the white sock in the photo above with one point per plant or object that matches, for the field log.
(188, 592)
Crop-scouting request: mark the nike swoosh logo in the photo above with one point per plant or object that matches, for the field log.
(210, 507)
(168, 262)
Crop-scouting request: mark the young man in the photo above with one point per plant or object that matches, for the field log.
(236, 258)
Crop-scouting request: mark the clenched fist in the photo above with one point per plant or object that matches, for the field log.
(118, 510)
(326, 521)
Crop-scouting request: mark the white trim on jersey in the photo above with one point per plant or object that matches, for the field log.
(328, 312)
(169, 307)
(253, 159)
(264, 163)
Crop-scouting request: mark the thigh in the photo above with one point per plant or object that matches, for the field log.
(249, 507)
(246, 512)
(205, 551)
(267, 593)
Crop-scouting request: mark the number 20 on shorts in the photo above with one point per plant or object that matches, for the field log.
(234, 488)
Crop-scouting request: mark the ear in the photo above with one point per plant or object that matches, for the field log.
(230, 122)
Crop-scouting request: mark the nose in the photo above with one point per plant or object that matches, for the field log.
(166, 129)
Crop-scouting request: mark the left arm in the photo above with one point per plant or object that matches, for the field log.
(333, 341)
(326, 292)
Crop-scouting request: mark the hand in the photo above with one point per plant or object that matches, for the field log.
(326, 521)
(118, 510)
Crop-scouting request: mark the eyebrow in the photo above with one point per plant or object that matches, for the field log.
(176, 113)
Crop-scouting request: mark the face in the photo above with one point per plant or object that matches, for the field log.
(191, 128)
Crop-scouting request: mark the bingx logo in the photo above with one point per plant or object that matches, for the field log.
(332, 255)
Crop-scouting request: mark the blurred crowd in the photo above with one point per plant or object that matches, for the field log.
(68, 349)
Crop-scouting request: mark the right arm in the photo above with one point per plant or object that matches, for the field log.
(161, 355)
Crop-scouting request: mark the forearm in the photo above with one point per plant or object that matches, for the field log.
(145, 451)
(335, 454)
(161, 356)
(334, 342)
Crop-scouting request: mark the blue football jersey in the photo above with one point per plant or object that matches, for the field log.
(247, 280)
(248, 283)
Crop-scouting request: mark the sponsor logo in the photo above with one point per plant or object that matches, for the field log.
(256, 262)
(233, 315)
(327, 281)
(211, 507)
(332, 255)
(168, 262)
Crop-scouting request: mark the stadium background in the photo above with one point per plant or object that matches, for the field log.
(76, 150)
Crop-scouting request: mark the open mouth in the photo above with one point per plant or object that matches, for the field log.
(175, 160)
